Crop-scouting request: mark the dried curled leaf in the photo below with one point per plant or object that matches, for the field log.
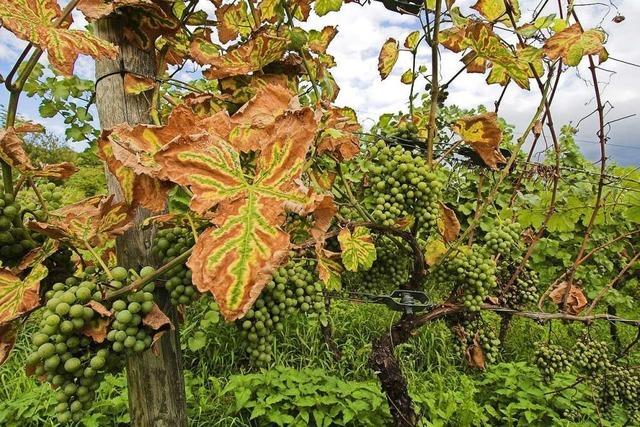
(156, 319)
(135, 85)
(575, 302)
(451, 225)
(572, 44)
(34, 21)
(56, 171)
(263, 48)
(475, 354)
(19, 296)
(323, 214)
(90, 221)
(358, 249)
(388, 57)
(483, 134)
(12, 151)
(339, 133)
(235, 259)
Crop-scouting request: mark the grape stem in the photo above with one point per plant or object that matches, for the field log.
(139, 283)
(98, 259)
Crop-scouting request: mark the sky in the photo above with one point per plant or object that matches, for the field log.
(363, 30)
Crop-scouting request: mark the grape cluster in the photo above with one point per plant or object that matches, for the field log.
(15, 241)
(402, 129)
(71, 352)
(619, 385)
(472, 331)
(473, 271)
(50, 193)
(168, 244)
(293, 288)
(502, 239)
(523, 291)
(401, 184)
(591, 356)
(388, 272)
(550, 360)
(127, 333)
(64, 355)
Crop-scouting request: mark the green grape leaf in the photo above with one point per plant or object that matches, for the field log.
(572, 44)
(234, 259)
(264, 47)
(358, 249)
(322, 7)
(19, 296)
(388, 57)
(34, 21)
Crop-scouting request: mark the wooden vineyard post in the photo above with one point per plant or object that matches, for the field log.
(155, 381)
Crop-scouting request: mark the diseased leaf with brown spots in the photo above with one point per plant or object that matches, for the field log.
(329, 270)
(358, 249)
(12, 151)
(233, 20)
(483, 134)
(135, 85)
(8, 335)
(235, 259)
(576, 301)
(263, 48)
(269, 10)
(17, 296)
(202, 49)
(388, 57)
(36, 256)
(451, 225)
(572, 44)
(91, 221)
(319, 40)
(34, 21)
(339, 133)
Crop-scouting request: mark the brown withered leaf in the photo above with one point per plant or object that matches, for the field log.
(8, 335)
(576, 301)
(97, 330)
(28, 127)
(12, 151)
(339, 133)
(36, 255)
(451, 225)
(18, 297)
(483, 134)
(156, 319)
(90, 221)
(56, 171)
(323, 214)
(99, 308)
(475, 355)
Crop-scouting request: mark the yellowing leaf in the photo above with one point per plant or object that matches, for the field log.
(263, 48)
(233, 21)
(407, 77)
(434, 251)
(322, 7)
(91, 221)
(234, 260)
(412, 40)
(358, 249)
(135, 85)
(483, 134)
(387, 58)
(496, 10)
(572, 44)
(34, 21)
(17, 296)
(319, 40)
(339, 133)
(329, 271)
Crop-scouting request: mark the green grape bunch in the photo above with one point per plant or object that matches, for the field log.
(294, 288)
(15, 240)
(473, 331)
(168, 244)
(402, 185)
(591, 356)
(51, 193)
(551, 360)
(503, 239)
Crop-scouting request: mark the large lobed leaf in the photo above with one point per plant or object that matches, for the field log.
(572, 44)
(234, 260)
(34, 21)
(483, 134)
(19, 296)
(358, 249)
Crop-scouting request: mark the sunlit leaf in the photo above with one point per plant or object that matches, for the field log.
(496, 10)
(233, 20)
(572, 44)
(358, 249)
(412, 40)
(135, 85)
(319, 40)
(12, 151)
(407, 77)
(322, 7)
(33, 20)
(433, 251)
(388, 57)
(483, 134)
